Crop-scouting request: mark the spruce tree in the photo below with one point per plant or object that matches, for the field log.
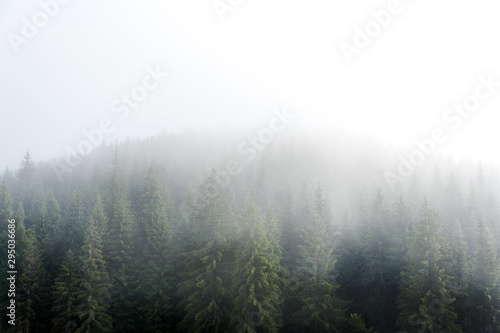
(257, 307)
(31, 274)
(65, 318)
(157, 266)
(118, 250)
(206, 287)
(424, 300)
(485, 297)
(316, 287)
(74, 222)
(93, 291)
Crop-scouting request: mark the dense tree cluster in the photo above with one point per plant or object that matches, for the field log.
(162, 246)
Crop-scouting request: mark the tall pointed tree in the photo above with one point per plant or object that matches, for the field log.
(205, 286)
(424, 300)
(316, 287)
(485, 309)
(157, 265)
(118, 249)
(257, 307)
(93, 292)
(65, 318)
(29, 296)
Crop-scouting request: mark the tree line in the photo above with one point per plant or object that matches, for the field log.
(127, 253)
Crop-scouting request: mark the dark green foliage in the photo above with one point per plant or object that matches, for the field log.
(257, 304)
(93, 290)
(356, 324)
(157, 264)
(30, 285)
(207, 298)
(64, 295)
(319, 308)
(425, 300)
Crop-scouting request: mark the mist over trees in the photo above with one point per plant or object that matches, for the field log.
(185, 233)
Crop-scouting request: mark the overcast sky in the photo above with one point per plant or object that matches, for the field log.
(64, 78)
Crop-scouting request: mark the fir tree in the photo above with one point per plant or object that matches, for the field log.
(29, 284)
(118, 250)
(320, 309)
(157, 256)
(93, 291)
(424, 300)
(485, 296)
(74, 222)
(257, 307)
(65, 318)
(206, 291)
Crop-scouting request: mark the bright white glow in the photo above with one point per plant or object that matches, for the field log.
(233, 71)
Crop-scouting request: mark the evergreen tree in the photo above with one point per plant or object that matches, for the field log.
(485, 296)
(424, 300)
(257, 307)
(74, 222)
(356, 324)
(26, 177)
(93, 290)
(118, 250)
(206, 289)
(379, 273)
(320, 309)
(65, 318)
(157, 270)
(100, 219)
(29, 296)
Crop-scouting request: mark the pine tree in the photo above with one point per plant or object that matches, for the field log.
(74, 222)
(100, 219)
(356, 324)
(65, 318)
(485, 296)
(424, 299)
(29, 296)
(257, 307)
(118, 249)
(316, 288)
(93, 291)
(157, 269)
(205, 287)
(26, 176)
(379, 276)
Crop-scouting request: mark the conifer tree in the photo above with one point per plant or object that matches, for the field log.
(65, 317)
(485, 297)
(424, 300)
(93, 291)
(26, 176)
(118, 249)
(29, 296)
(257, 307)
(157, 268)
(205, 287)
(379, 270)
(74, 222)
(320, 309)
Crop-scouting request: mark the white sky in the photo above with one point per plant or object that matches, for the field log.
(264, 54)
